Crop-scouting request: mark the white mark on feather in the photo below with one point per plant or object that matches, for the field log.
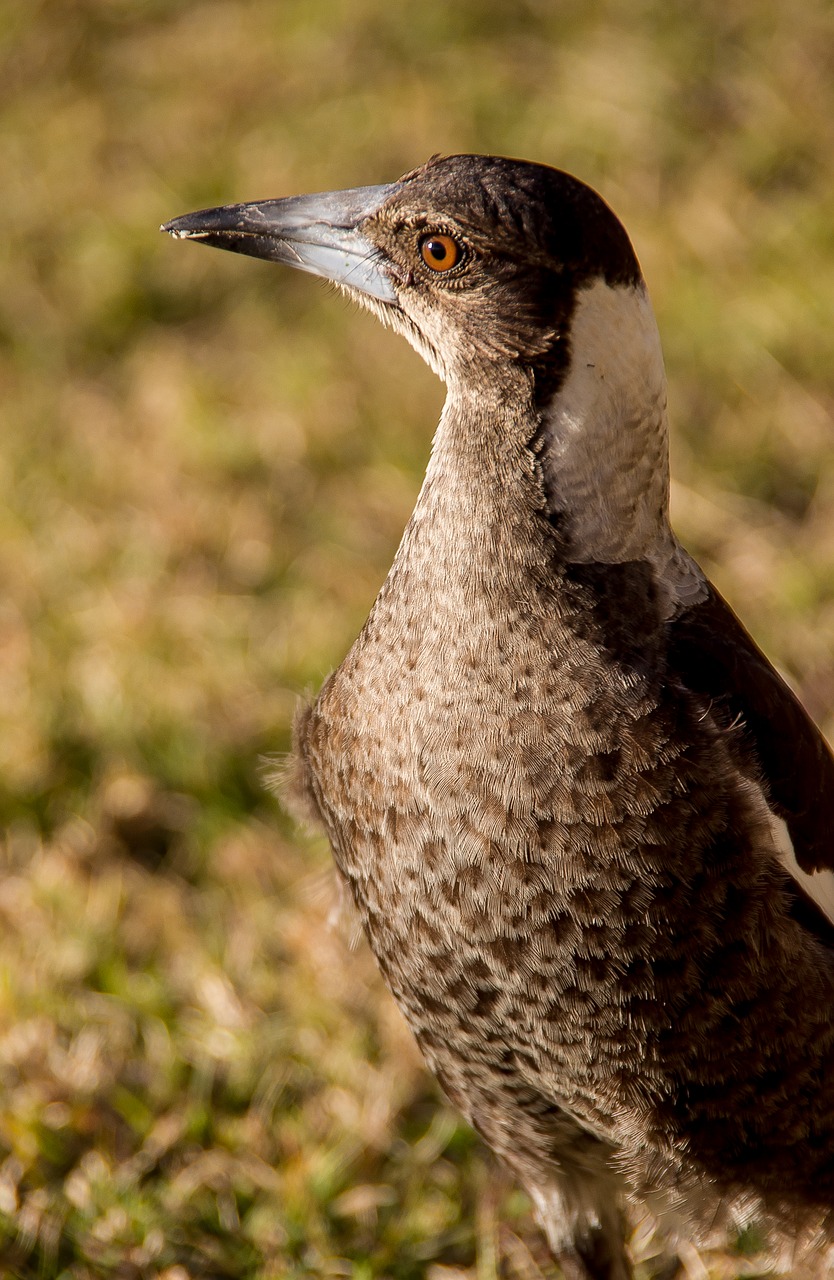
(818, 885)
(607, 455)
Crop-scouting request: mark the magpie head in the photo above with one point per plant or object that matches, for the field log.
(520, 287)
(478, 260)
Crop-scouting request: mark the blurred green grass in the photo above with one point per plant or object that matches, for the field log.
(206, 464)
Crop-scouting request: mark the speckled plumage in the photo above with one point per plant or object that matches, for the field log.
(544, 767)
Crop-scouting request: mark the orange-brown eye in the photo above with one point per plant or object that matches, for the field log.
(441, 253)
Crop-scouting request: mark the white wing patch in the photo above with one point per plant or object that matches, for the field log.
(819, 885)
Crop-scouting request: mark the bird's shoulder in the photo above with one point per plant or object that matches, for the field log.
(775, 739)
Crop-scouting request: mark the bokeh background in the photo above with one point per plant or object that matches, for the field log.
(206, 463)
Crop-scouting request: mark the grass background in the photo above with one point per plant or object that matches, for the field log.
(206, 464)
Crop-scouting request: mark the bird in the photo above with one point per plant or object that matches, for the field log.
(588, 828)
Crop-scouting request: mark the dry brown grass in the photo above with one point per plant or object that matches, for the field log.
(206, 464)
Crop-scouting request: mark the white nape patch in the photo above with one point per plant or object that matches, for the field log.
(607, 459)
(818, 885)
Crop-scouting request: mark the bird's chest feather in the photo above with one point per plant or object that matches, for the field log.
(547, 853)
(543, 831)
(497, 796)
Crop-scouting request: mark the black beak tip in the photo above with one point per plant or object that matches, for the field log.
(183, 228)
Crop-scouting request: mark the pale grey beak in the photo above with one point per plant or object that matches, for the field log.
(317, 233)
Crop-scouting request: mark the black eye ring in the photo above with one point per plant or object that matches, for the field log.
(440, 252)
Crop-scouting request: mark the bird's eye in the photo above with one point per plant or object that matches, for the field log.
(441, 253)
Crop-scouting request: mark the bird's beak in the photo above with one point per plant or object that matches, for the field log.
(317, 233)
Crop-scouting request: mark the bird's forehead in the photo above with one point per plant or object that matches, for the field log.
(529, 210)
(473, 190)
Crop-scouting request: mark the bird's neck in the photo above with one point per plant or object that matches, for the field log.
(604, 434)
(516, 491)
(593, 459)
(479, 521)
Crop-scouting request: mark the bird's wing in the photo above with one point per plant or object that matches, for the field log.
(777, 739)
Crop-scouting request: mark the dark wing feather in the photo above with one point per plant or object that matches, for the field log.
(717, 658)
